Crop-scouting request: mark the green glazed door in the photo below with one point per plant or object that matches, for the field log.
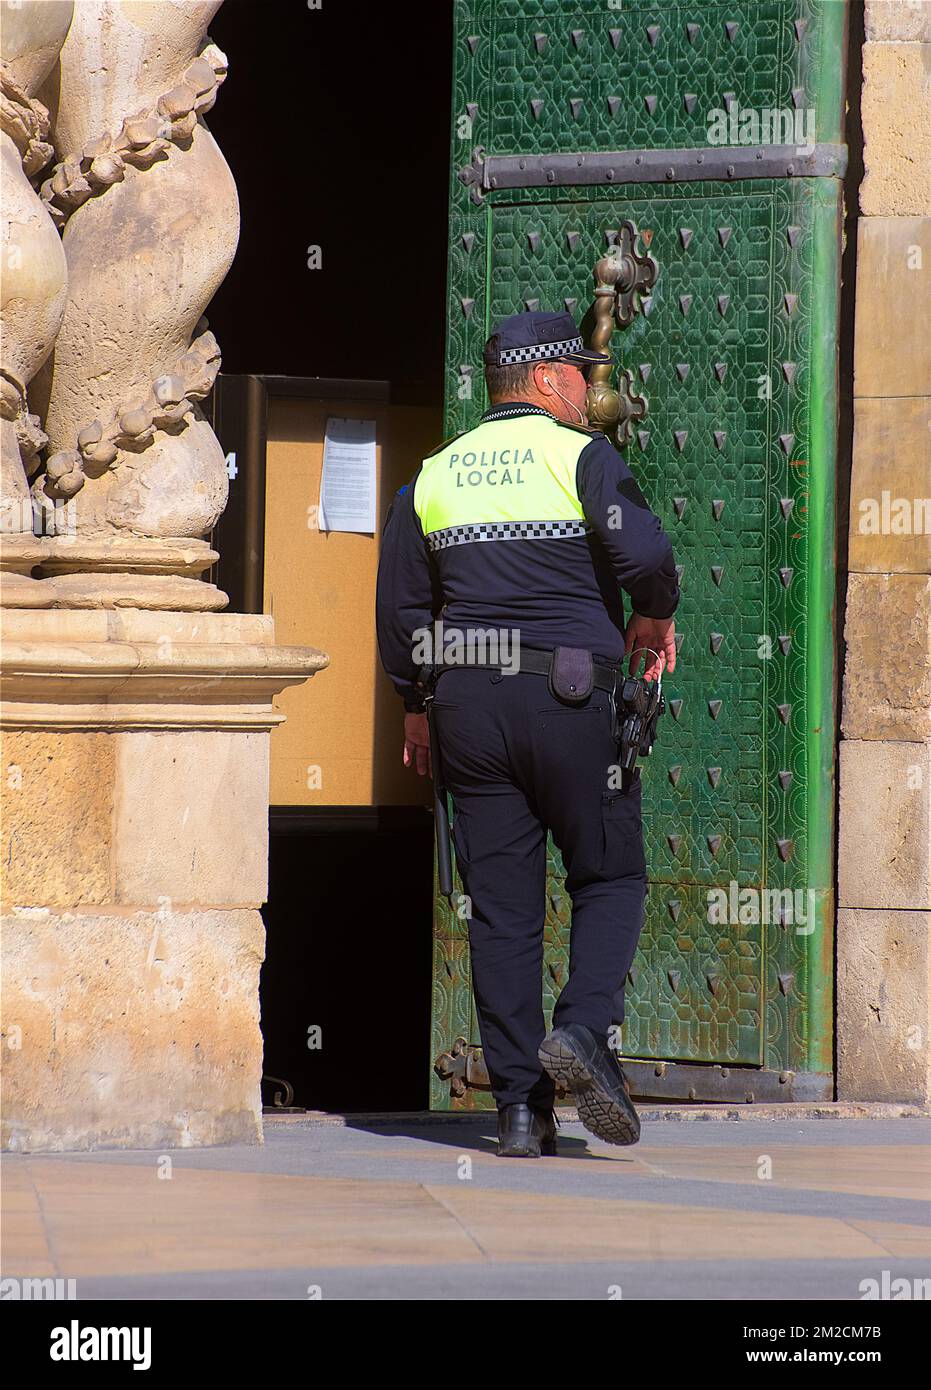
(714, 129)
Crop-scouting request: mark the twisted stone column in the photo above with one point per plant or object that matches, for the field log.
(34, 274)
(150, 222)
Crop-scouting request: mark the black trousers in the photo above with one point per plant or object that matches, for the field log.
(519, 762)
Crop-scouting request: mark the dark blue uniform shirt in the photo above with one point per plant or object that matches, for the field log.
(553, 593)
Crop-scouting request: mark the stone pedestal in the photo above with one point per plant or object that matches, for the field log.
(134, 863)
(136, 717)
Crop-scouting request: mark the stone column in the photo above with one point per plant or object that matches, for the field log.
(150, 222)
(33, 272)
(884, 852)
(136, 721)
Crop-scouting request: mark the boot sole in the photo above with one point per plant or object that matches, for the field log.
(599, 1112)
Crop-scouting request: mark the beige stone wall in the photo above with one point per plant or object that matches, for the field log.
(884, 850)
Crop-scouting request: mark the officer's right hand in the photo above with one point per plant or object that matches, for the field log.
(417, 744)
(658, 634)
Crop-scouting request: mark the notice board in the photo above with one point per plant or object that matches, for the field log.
(341, 742)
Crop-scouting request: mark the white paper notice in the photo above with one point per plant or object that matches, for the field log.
(347, 484)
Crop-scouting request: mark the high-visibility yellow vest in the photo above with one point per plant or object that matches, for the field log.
(507, 473)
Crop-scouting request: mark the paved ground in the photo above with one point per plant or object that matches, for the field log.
(783, 1208)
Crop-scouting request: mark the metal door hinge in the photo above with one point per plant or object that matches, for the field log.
(495, 172)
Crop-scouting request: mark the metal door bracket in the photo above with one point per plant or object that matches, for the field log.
(463, 1066)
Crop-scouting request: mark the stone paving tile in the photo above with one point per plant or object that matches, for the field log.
(744, 1281)
(883, 1172)
(435, 1198)
(115, 1218)
(609, 1177)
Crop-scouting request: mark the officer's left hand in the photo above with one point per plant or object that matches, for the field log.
(653, 642)
(417, 744)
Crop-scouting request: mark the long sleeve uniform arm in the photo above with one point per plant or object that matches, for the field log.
(407, 595)
(639, 549)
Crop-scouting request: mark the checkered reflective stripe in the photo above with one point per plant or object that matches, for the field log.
(505, 412)
(537, 352)
(505, 531)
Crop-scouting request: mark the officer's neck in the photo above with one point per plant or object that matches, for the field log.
(517, 402)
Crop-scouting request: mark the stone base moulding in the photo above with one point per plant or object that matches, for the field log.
(79, 572)
(124, 669)
(134, 862)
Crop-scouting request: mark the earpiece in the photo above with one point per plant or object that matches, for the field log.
(565, 401)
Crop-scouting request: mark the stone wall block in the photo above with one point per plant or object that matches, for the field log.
(897, 176)
(888, 21)
(892, 350)
(133, 1030)
(190, 816)
(884, 1026)
(887, 675)
(890, 486)
(57, 817)
(884, 841)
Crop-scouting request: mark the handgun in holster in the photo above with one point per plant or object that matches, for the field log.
(636, 708)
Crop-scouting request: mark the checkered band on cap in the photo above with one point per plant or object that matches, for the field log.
(538, 352)
(504, 531)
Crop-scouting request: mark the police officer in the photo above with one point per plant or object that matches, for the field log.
(520, 535)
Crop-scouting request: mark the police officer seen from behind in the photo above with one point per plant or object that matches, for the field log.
(520, 536)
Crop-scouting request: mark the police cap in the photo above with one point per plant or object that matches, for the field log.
(539, 337)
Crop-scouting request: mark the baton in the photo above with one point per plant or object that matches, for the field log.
(444, 863)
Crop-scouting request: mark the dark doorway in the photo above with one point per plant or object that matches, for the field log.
(349, 953)
(335, 123)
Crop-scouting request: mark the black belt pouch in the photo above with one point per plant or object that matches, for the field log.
(571, 676)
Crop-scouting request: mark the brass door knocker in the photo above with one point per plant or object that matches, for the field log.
(623, 276)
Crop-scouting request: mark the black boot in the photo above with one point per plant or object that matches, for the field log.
(578, 1059)
(524, 1132)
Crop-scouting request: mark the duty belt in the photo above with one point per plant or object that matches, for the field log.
(537, 662)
